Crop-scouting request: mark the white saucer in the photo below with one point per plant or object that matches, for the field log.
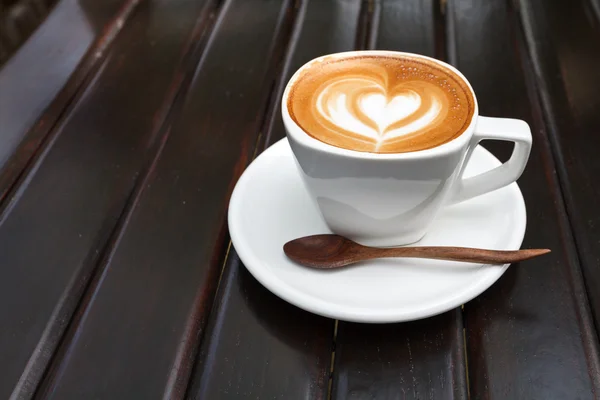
(269, 206)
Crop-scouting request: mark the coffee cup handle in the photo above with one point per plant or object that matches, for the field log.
(511, 130)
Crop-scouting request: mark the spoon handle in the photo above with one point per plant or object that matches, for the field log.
(465, 254)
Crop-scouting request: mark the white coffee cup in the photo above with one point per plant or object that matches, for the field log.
(392, 199)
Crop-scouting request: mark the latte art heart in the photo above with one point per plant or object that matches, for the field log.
(363, 107)
(384, 112)
(380, 104)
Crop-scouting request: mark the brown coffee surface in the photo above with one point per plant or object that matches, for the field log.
(380, 103)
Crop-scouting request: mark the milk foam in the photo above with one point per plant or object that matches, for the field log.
(336, 106)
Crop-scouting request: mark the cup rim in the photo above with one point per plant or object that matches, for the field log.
(302, 137)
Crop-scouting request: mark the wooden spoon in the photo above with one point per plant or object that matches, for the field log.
(334, 251)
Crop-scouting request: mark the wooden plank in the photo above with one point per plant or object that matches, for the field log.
(594, 5)
(40, 80)
(406, 26)
(530, 335)
(140, 324)
(567, 64)
(414, 360)
(61, 217)
(256, 344)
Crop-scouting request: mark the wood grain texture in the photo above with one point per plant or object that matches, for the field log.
(412, 360)
(257, 345)
(530, 335)
(405, 26)
(40, 80)
(60, 219)
(143, 317)
(567, 65)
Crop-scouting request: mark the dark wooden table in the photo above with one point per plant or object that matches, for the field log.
(124, 126)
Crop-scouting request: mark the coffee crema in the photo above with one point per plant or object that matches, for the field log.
(380, 103)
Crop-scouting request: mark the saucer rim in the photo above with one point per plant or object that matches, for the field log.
(324, 308)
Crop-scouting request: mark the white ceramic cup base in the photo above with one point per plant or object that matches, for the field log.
(270, 206)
